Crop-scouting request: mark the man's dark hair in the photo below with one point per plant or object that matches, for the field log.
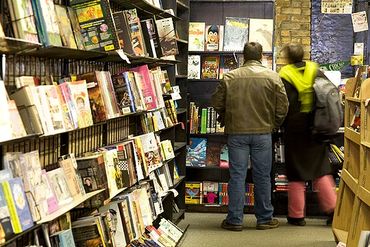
(252, 51)
(294, 53)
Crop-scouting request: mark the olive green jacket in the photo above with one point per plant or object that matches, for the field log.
(250, 100)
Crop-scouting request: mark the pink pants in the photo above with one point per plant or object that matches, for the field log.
(326, 195)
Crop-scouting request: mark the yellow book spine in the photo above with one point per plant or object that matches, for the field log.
(16, 224)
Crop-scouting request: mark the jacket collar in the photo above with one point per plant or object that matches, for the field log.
(251, 63)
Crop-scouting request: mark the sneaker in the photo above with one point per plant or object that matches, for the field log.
(231, 227)
(296, 221)
(274, 223)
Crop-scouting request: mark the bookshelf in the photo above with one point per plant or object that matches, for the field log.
(22, 57)
(200, 90)
(353, 206)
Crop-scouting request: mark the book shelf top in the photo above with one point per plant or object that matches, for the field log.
(221, 52)
(144, 8)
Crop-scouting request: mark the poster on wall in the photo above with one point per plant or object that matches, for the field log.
(336, 6)
(359, 21)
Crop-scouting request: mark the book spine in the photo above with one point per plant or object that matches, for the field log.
(16, 224)
(209, 119)
(203, 119)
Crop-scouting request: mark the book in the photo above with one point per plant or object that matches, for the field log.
(70, 168)
(15, 197)
(72, 15)
(123, 32)
(65, 92)
(196, 152)
(136, 34)
(152, 42)
(124, 94)
(6, 229)
(210, 67)
(50, 203)
(65, 27)
(356, 119)
(137, 94)
(213, 153)
(16, 124)
(249, 194)
(127, 219)
(59, 186)
(236, 33)
(127, 163)
(97, 26)
(22, 19)
(88, 232)
(80, 100)
(223, 197)
(224, 157)
(210, 192)
(64, 238)
(151, 151)
(193, 193)
(46, 21)
(167, 36)
(196, 36)
(203, 121)
(213, 33)
(194, 66)
(92, 171)
(227, 64)
(167, 150)
(261, 31)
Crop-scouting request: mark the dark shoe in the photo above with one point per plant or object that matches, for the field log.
(231, 227)
(274, 223)
(329, 221)
(296, 221)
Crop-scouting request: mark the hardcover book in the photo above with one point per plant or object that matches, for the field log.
(193, 193)
(65, 28)
(22, 18)
(15, 197)
(213, 37)
(196, 36)
(196, 155)
(97, 26)
(261, 31)
(167, 36)
(210, 67)
(47, 24)
(236, 33)
(210, 192)
(194, 67)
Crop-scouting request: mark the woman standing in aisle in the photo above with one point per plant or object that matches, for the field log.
(306, 158)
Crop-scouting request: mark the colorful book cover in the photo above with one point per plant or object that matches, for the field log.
(76, 28)
(167, 36)
(224, 157)
(127, 163)
(136, 90)
(67, 116)
(15, 197)
(194, 70)
(123, 92)
(151, 150)
(22, 17)
(249, 194)
(213, 33)
(140, 156)
(167, 150)
(145, 83)
(203, 121)
(65, 27)
(228, 63)
(213, 153)
(196, 36)
(193, 193)
(47, 24)
(197, 150)
(5, 222)
(97, 26)
(210, 67)
(236, 33)
(97, 104)
(80, 99)
(210, 192)
(261, 31)
(136, 34)
(54, 107)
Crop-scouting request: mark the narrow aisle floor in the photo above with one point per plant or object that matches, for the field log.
(205, 231)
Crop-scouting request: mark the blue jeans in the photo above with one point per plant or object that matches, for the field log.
(259, 147)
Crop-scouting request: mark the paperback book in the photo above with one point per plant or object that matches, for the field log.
(236, 33)
(196, 36)
(210, 67)
(196, 155)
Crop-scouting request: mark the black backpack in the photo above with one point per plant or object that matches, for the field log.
(327, 111)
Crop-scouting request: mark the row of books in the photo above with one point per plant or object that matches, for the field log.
(202, 153)
(232, 36)
(214, 193)
(204, 121)
(82, 100)
(91, 25)
(215, 66)
(125, 222)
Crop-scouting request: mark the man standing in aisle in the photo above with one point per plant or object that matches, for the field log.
(251, 101)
